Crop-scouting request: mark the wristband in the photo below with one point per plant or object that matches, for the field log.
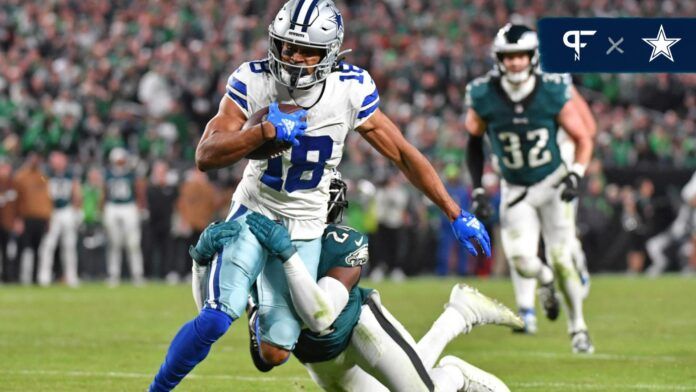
(578, 168)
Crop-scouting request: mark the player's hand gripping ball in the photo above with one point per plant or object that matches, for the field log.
(289, 121)
(213, 240)
(272, 235)
(468, 229)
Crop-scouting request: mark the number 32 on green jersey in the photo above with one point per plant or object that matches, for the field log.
(537, 155)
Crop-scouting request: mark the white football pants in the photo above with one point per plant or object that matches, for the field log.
(122, 225)
(381, 357)
(62, 226)
(525, 214)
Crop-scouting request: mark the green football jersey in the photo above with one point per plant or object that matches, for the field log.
(60, 186)
(341, 247)
(120, 186)
(522, 134)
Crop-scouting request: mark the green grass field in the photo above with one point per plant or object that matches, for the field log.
(99, 339)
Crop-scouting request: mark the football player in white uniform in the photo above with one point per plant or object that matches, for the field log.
(65, 219)
(303, 69)
(351, 341)
(521, 110)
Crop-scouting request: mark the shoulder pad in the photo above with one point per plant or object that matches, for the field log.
(343, 246)
(558, 86)
(476, 89)
(362, 91)
(242, 83)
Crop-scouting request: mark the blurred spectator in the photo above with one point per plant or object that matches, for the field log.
(35, 206)
(390, 241)
(8, 219)
(196, 206)
(447, 242)
(92, 258)
(161, 196)
(146, 75)
(680, 233)
(125, 198)
(64, 187)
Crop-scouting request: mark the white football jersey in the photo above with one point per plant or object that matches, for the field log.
(295, 185)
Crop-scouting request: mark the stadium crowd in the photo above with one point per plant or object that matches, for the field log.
(85, 77)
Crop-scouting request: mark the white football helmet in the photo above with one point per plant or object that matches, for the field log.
(312, 23)
(516, 38)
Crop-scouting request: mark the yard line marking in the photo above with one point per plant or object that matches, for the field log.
(555, 355)
(603, 387)
(72, 373)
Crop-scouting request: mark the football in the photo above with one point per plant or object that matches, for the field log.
(271, 148)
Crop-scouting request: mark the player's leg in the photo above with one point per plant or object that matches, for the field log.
(47, 251)
(279, 325)
(133, 247)
(230, 276)
(520, 230)
(525, 296)
(656, 247)
(69, 246)
(385, 350)
(342, 374)
(558, 230)
(580, 262)
(114, 244)
(466, 308)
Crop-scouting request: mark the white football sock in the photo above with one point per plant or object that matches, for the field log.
(525, 290)
(448, 326)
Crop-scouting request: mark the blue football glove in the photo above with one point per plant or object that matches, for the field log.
(272, 235)
(288, 126)
(212, 240)
(467, 229)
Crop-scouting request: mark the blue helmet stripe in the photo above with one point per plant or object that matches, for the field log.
(308, 15)
(296, 15)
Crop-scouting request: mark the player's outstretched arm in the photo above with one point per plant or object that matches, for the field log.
(386, 137)
(223, 143)
(317, 303)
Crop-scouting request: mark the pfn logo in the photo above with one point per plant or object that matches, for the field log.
(576, 44)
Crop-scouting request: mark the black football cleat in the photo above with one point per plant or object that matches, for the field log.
(549, 300)
(255, 341)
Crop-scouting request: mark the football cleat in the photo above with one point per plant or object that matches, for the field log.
(255, 340)
(549, 300)
(581, 342)
(477, 309)
(475, 379)
(530, 322)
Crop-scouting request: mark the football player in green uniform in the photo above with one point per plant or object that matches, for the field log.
(351, 342)
(521, 111)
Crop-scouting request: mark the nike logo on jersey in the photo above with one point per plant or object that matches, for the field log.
(358, 243)
(289, 124)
